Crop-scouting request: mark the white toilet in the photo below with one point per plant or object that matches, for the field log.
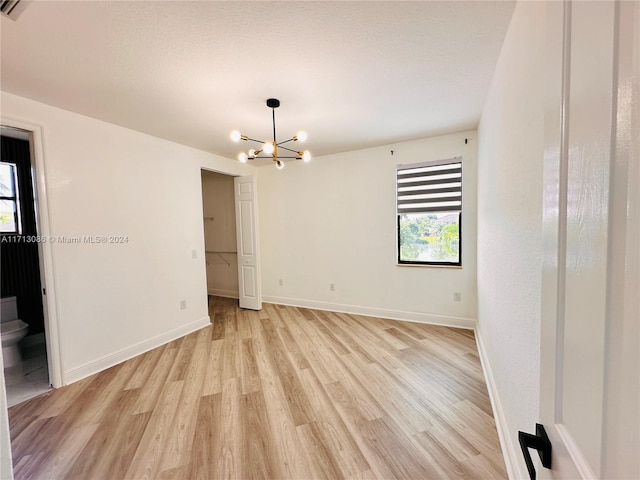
(12, 330)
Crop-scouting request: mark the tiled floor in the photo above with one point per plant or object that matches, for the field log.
(29, 379)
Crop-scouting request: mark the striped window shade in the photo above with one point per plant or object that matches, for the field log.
(430, 187)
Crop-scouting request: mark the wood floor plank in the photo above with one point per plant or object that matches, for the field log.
(178, 447)
(59, 402)
(145, 365)
(231, 356)
(293, 349)
(289, 456)
(212, 381)
(146, 461)
(63, 457)
(218, 326)
(249, 369)
(441, 435)
(360, 395)
(150, 391)
(181, 363)
(369, 340)
(203, 459)
(298, 402)
(316, 354)
(36, 439)
(319, 456)
(337, 437)
(385, 340)
(470, 421)
(228, 452)
(106, 395)
(257, 455)
(319, 320)
(242, 323)
(102, 440)
(22, 467)
(403, 458)
(343, 330)
(480, 467)
(395, 406)
(281, 393)
(26, 413)
(111, 449)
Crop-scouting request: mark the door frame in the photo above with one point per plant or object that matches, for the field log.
(229, 294)
(45, 252)
(237, 226)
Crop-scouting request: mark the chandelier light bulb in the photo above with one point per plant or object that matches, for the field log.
(301, 136)
(306, 156)
(279, 164)
(235, 136)
(268, 148)
(252, 153)
(243, 157)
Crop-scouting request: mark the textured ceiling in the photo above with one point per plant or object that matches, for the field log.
(353, 74)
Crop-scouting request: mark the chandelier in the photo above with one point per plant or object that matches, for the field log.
(272, 149)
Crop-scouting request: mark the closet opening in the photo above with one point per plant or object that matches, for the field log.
(219, 218)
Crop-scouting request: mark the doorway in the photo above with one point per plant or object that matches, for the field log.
(26, 369)
(219, 219)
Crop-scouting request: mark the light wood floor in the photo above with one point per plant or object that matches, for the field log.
(281, 393)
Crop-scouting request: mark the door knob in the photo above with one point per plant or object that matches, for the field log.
(539, 441)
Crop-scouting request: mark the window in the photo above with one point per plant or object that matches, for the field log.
(9, 199)
(429, 210)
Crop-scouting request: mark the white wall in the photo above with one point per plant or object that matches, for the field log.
(220, 234)
(333, 221)
(114, 301)
(510, 154)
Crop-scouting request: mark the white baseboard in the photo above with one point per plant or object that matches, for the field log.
(447, 321)
(223, 293)
(107, 361)
(509, 453)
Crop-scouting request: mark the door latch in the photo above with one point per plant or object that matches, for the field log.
(539, 441)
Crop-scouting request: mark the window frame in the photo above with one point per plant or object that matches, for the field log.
(15, 199)
(459, 211)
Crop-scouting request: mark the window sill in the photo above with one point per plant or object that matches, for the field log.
(427, 266)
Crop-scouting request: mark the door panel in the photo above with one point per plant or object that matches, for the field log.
(589, 147)
(585, 212)
(248, 240)
(250, 289)
(249, 281)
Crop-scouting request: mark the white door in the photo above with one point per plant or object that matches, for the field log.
(589, 343)
(246, 199)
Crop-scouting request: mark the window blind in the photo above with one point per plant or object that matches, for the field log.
(430, 187)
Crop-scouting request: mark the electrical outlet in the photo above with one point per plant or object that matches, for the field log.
(280, 282)
(457, 296)
(183, 304)
(194, 254)
(332, 287)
